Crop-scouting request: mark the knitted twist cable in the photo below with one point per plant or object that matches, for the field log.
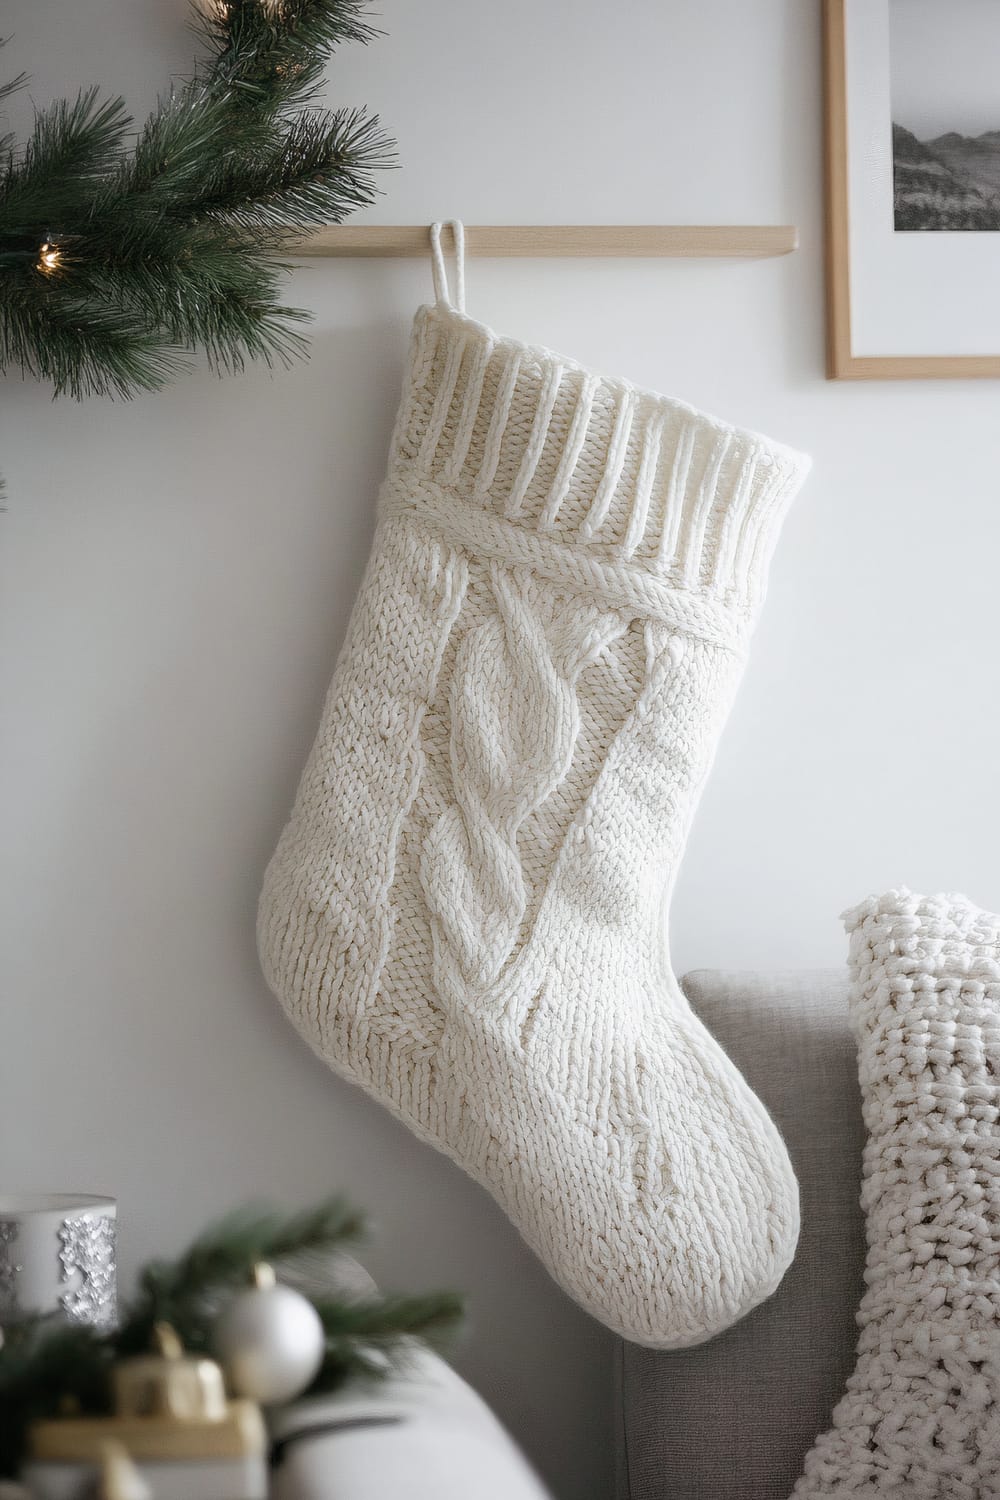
(466, 913)
(921, 1417)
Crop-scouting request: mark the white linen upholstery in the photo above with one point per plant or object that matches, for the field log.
(422, 1435)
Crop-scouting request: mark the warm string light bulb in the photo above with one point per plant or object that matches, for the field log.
(49, 257)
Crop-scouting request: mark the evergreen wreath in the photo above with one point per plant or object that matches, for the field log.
(124, 251)
(46, 1364)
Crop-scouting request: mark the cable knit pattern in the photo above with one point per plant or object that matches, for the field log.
(921, 1417)
(514, 727)
(466, 912)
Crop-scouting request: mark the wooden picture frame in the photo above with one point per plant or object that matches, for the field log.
(842, 362)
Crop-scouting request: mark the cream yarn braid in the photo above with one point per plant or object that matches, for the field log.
(921, 1417)
(467, 911)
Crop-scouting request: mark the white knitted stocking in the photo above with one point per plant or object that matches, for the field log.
(466, 914)
(921, 1416)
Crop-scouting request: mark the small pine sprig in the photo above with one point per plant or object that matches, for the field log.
(183, 1292)
(366, 1337)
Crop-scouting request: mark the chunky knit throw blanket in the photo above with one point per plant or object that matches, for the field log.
(921, 1416)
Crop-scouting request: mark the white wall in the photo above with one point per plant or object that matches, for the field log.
(180, 573)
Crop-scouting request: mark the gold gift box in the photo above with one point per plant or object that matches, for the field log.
(238, 1434)
(173, 1422)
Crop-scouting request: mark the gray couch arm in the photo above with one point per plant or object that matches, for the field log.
(733, 1419)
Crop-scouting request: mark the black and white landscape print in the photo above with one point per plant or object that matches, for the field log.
(945, 67)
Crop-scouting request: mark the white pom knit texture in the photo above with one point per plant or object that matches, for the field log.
(921, 1417)
(466, 913)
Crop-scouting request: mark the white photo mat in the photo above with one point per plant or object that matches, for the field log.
(912, 293)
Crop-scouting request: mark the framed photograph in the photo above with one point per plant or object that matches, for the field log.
(913, 188)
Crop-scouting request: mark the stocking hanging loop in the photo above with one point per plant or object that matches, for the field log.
(439, 268)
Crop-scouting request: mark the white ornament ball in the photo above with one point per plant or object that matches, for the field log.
(270, 1342)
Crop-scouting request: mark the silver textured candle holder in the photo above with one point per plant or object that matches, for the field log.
(58, 1254)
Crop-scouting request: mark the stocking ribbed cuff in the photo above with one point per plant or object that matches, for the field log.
(527, 455)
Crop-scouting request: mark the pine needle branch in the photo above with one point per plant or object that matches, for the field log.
(176, 143)
(74, 145)
(368, 1336)
(391, 1318)
(84, 347)
(222, 1258)
(318, 170)
(271, 53)
(14, 84)
(121, 255)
